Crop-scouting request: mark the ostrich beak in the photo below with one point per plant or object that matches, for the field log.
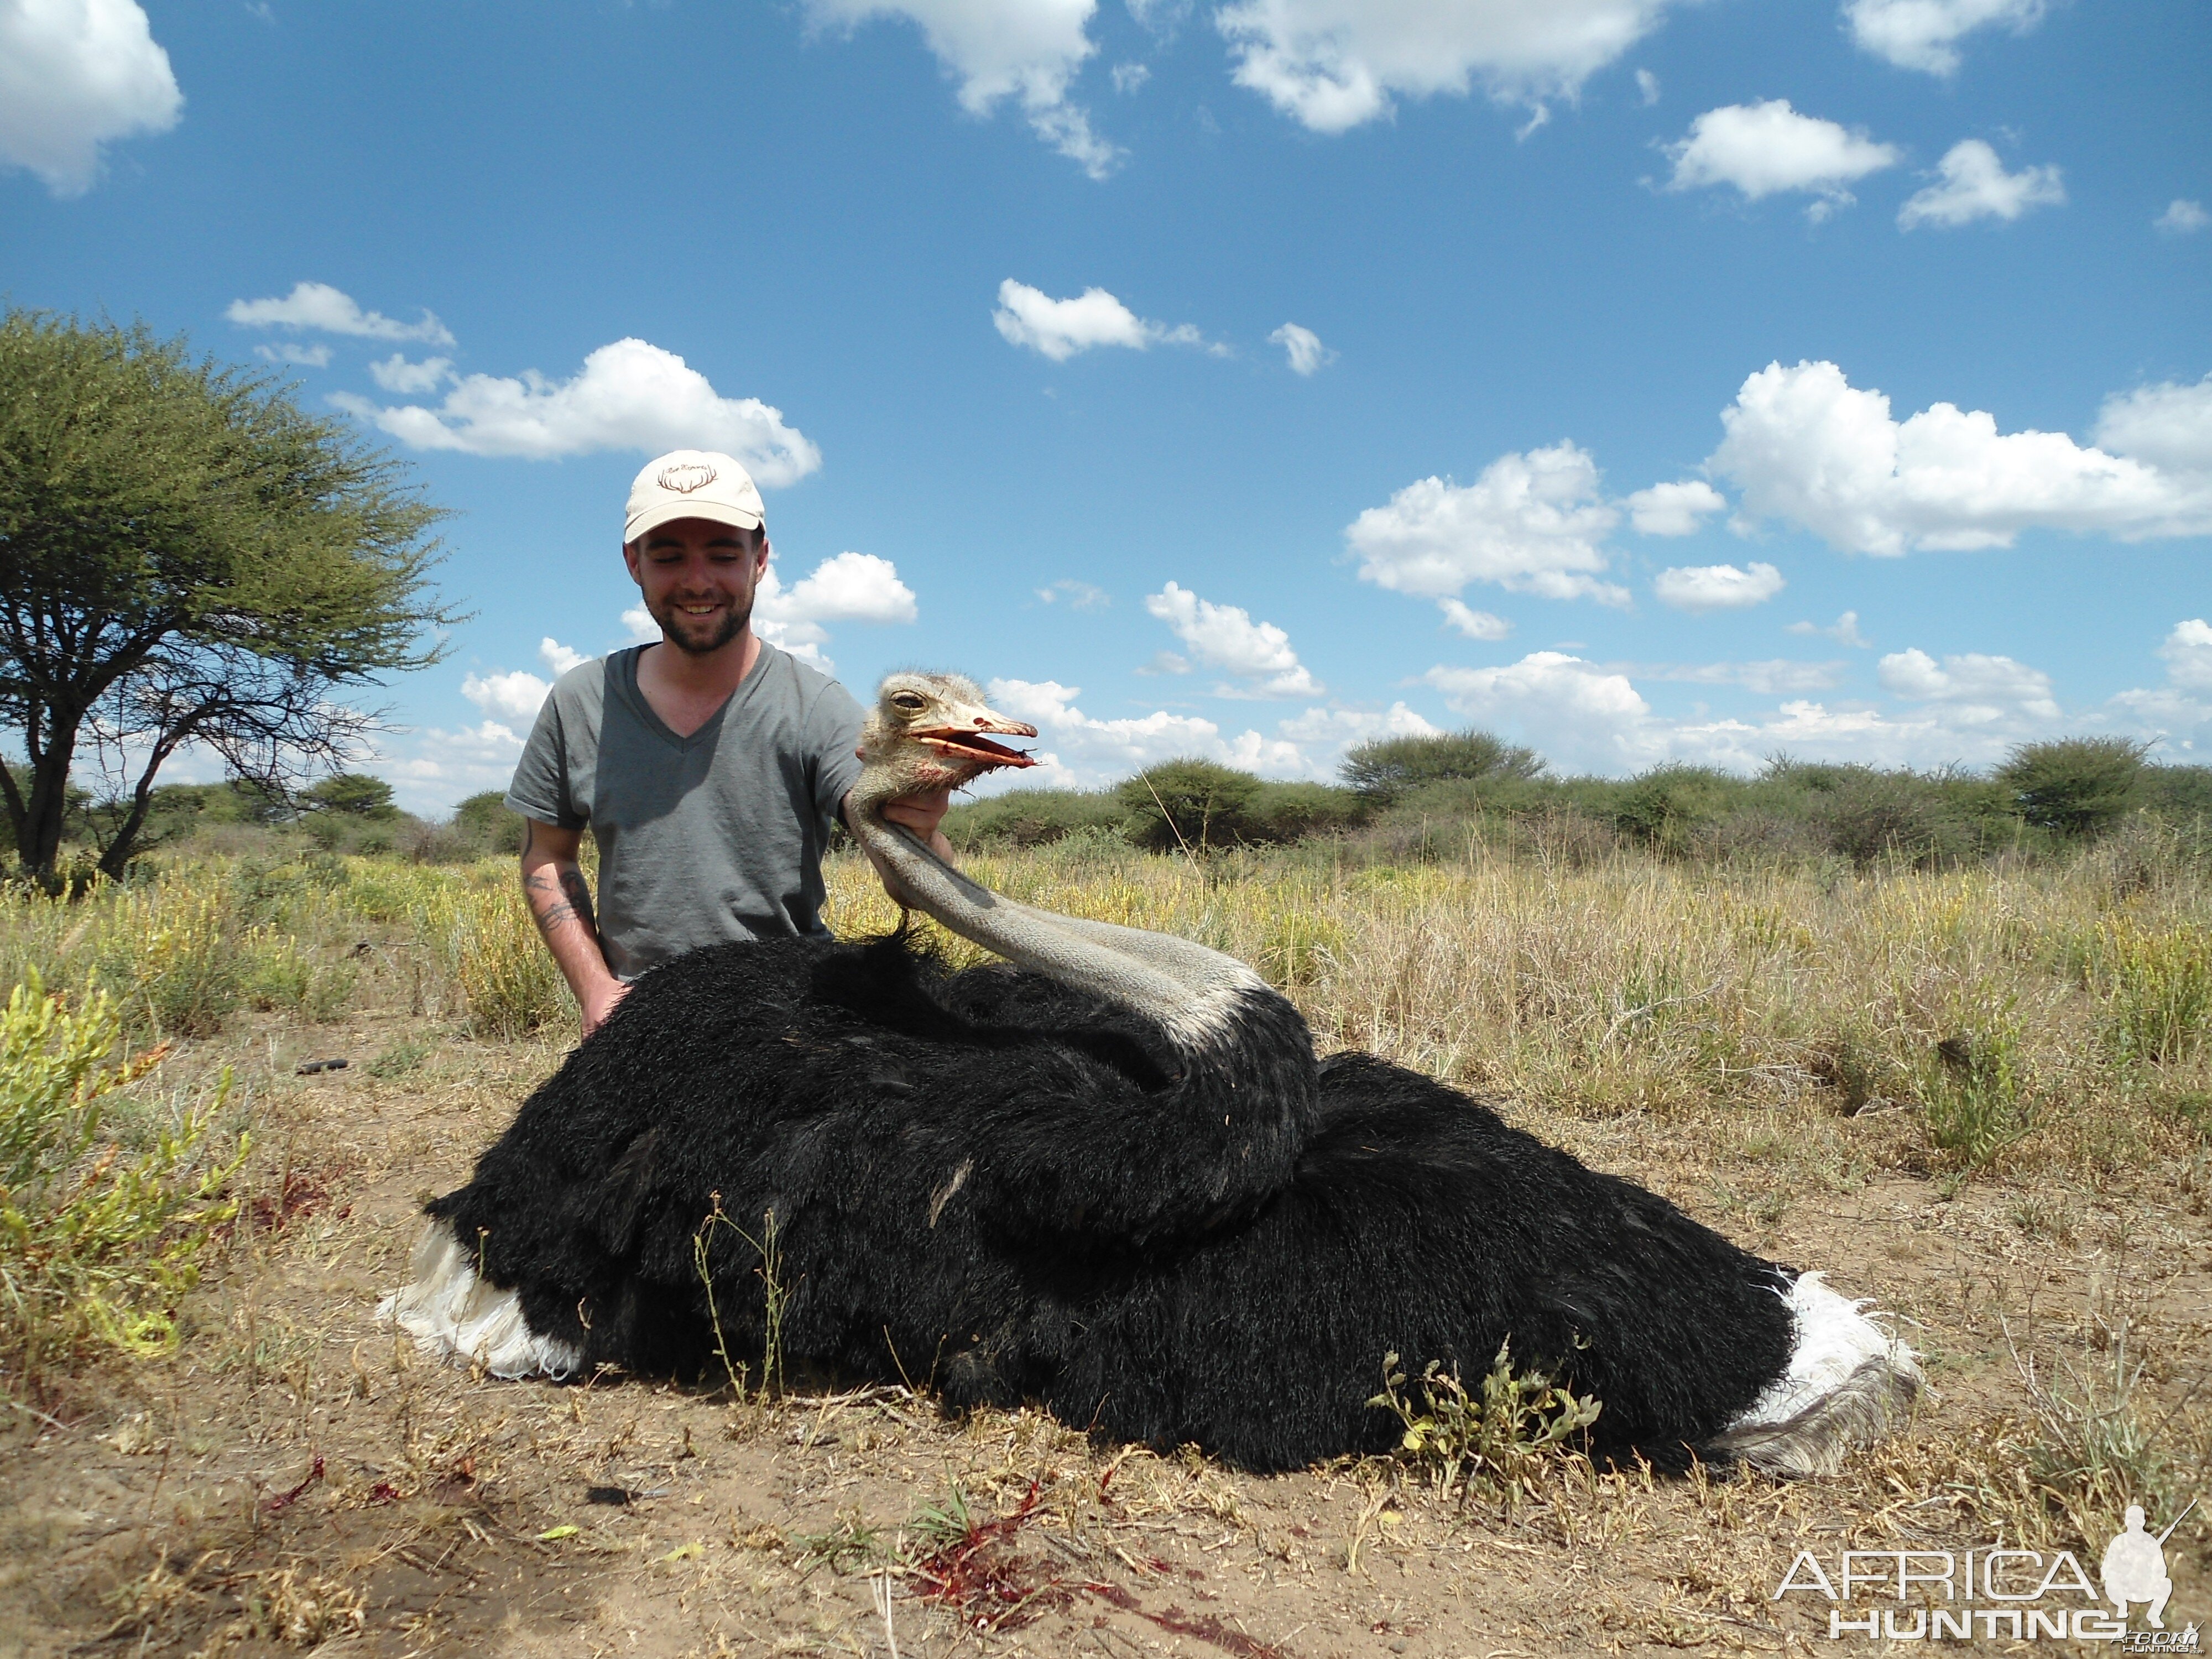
(958, 729)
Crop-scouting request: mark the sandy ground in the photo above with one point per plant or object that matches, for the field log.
(295, 1477)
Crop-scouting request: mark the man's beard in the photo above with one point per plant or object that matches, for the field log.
(732, 625)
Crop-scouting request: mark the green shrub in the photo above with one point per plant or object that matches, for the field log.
(1189, 804)
(97, 1239)
(2075, 786)
(2157, 990)
(1291, 812)
(1385, 768)
(1032, 817)
(1664, 807)
(485, 821)
(1495, 1442)
(1974, 1094)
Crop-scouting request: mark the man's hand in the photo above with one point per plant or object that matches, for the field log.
(919, 816)
(600, 1002)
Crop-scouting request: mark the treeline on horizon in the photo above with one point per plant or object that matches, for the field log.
(1413, 799)
(1400, 799)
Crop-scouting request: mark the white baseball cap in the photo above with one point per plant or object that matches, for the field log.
(692, 483)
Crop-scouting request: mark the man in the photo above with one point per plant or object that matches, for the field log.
(707, 766)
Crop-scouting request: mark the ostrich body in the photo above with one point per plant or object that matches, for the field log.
(1111, 1176)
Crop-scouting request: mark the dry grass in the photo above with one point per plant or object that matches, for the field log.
(1763, 1048)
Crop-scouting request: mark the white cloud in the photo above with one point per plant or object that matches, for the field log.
(512, 696)
(1333, 64)
(2167, 425)
(1766, 148)
(1673, 509)
(1776, 676)
(396, 374)
(1224, 637)
(320, 307)
(76, 75)
(1076, 752)
(1982, 690)
(434, 769)
(1923, 34)
(1578, 715)
(1717, 587)
(1972, 184)
(638, 621)
(558, 657)
(1303, 348)
(1531, 524)
(2188, 655)
(1078, 596)
(1585, 715)
(1474, 624)
(305, 357)
(630, 395)
(848, 588)
(1061, 328)
(1023, 50)
(1647, 85)
(1844, 630)
(1808, 448)
(1129, 77)
(2182, 216)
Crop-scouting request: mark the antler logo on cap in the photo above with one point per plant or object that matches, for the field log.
(687, 477)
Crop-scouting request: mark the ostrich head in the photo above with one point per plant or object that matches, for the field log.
(927, 731)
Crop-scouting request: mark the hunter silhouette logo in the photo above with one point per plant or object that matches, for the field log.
(2134, 1567)
(687, 477)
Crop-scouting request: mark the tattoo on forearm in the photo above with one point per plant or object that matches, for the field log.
(573, 902)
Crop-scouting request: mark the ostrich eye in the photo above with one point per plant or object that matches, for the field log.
(911, 702)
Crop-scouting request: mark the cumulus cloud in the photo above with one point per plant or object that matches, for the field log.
(2188, 654)
(76, 75)
(514, 697)
(1129, 77)
(1764, 148)
(1981, 690)
(2167, 425)
(396, 374)
(1061, 328)
(1808, 448)
(1303, 348)
(1647, 85)
(434, 769)
(1844, 630)
(1923, 34)
(1717, 587)
(2178, 715)
(1673, 509)
(1474, 624)
(849, 588)
(327, 310)
(1970, 184)
(1590, 716)
(2181, 217)
(1022, 51)
(1258, 654)
(1331, 64)
(1531, 524)
(1077, 751)
(628, 395)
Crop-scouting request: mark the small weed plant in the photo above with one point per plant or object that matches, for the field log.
(1494, 1440)
(99, 1237)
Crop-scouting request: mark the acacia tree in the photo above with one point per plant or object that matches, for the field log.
(186, 558)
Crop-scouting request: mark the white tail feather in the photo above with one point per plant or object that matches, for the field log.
(452, 1312)
(1848, 1383)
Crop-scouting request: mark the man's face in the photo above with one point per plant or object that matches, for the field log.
(698, 577)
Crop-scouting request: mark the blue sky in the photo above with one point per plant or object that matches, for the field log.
(1239, 379)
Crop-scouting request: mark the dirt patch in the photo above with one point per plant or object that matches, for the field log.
(296, 1478)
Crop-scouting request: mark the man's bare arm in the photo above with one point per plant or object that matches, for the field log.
(560, 902)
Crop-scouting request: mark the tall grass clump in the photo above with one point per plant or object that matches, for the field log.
(491, 949)
(2156, 986)
(101, 1229)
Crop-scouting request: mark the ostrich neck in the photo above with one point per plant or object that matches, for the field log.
(1188, 989)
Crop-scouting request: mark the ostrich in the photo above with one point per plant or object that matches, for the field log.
(1108, 1174)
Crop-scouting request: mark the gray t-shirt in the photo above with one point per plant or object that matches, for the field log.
(704, 839)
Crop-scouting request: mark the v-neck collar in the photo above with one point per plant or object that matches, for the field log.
(633, 694)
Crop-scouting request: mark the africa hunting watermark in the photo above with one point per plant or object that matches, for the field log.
(2001, 1592)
